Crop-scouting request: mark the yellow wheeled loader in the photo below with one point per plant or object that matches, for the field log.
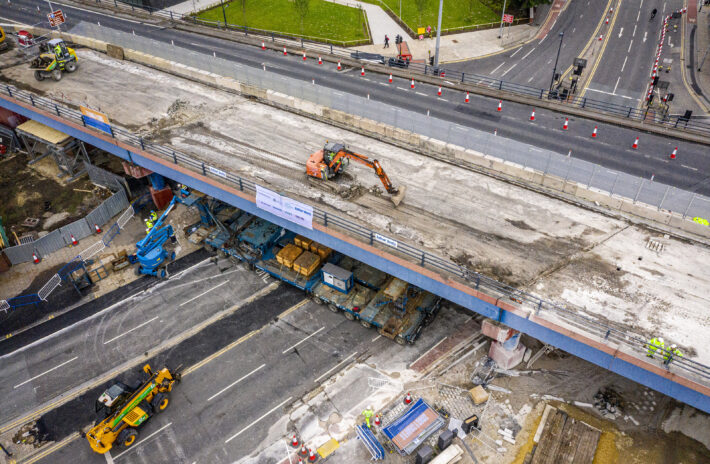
(56, 59)
(123, 409)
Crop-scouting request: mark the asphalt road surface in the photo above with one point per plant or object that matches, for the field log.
(611, 149)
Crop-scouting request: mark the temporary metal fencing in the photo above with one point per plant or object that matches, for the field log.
(324, 46)
(605, 332)
(57, 279)
(62, 237)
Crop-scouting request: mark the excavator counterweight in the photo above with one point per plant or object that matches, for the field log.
(333, 159)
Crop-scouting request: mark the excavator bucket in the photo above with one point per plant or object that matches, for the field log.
(397, 197)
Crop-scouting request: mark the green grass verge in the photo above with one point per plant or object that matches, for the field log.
(337, 23)
(456, 13)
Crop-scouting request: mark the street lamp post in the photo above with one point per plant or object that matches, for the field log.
(500, 33)
(554, 71)
(224, 13)
(438, 34)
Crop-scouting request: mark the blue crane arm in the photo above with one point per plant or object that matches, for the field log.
(156, 233)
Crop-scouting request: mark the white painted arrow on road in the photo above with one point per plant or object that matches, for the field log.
(645, 36)
(621, 31)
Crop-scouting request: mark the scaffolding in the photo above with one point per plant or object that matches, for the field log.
(41, 141)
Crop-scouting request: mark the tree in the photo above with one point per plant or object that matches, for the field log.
(301, 7)
(421, 6)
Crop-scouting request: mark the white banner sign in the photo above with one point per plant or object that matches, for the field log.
(386, 240)
(284, 207)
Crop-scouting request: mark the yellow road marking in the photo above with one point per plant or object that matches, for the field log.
(52, 448)
(603, 48)
(591, 39)
(244, 338)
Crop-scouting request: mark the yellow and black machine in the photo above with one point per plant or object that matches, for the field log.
(56, 59)
(3, 40)
(123, 409)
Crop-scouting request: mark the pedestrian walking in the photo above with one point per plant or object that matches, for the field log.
(387, 41)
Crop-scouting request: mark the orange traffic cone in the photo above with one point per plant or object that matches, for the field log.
(294, 442)
(600, 37)
(390, 78)
(35, 258)
(500, 105)
(467, 97)
(97, 228)
(304, 451)
(377, 420)
(566, 124)
(339, 67)
(675, 152)
(304, 56)
(412, 86)
(439, 92)
(408, 398)
(285, 53)
(532, 115)
(362, 71)
(311, 456)
(594, 134)
(75, 243)
(636, 143)
(263, 46)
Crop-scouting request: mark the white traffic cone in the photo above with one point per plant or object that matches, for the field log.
(466, 100)
(412, 85)
(675, 152)
(636, 144)
(339, 67)
(390, 80)
(35, 258)
(408, 398)
(532, 115)
(73, 240)
(320, 60)
(285, 52)
(566, 124)
(594, 133)
(294, 441)
(439, 92)
(362, 71)
(500, 105)
(97, 228)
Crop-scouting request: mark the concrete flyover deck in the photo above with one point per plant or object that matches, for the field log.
(586, 260)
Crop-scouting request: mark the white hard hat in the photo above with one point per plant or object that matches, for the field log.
(145, 220)
(660, 339)
(674, 346)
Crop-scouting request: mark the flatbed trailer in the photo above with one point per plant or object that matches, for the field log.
(398, 310)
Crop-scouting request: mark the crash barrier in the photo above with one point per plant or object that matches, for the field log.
(547, 162)
(607, 334)
(318, 46)
(374, 447)
(61, 238)
(61, 276)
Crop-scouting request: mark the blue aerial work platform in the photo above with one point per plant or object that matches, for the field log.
(150, 251)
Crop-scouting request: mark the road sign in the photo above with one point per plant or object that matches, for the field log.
(93, 118)
(508, 18)
(56, 18)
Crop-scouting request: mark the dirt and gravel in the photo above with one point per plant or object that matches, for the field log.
(577, 257)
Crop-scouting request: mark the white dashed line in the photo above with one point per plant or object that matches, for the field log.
(528, 53)
(422, 94)
(334, 367)
(203, 293)
(294, 346)
(131, 330)
(256, 421)
(235, 382)
(497, 67)
(45, 372)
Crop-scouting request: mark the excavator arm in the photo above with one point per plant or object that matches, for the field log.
(374, 164)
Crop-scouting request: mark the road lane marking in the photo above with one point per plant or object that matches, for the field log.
(496, 69)
(621, 31)
(144, 440)
(136, 362)
(235, 382)
(334, 367)
(634, 33)
(203, 294)
(688, 167)
(528, 54)
(609, 93)
(624, 65)
(422, 94)
(109, 458)
(256, 421)
(131, 330)
(645, 36)
(510, 69)
(379, 336)
(617, 84)
(294, 346)
(630, 44)
(45, 372)
(206, 278)
(638, 15)
(516, 52)
(442, 99)
(292, 308)
(44, 452)
(402, 88)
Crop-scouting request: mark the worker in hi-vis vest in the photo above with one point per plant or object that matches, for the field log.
(368, 414)
(653, 345)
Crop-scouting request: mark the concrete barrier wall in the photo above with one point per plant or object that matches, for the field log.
(425, 145)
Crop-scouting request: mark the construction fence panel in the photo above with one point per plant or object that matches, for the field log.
(125, 217)
(4, 305)
(92, 250)
(103, 213)
(105, 178)
(50, 243)
(54, 282)
(80, 229)
(20, 253)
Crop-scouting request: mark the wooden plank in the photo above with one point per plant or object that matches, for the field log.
(569, 439)
(550, 441)
(587, 447)
(43, 132)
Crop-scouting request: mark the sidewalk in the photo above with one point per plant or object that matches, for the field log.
(192, 6)
(380, 22)
(695, 49)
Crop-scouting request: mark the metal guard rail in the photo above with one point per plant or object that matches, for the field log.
(675, 122)
(479, 281)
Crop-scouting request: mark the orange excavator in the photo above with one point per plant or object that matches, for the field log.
(334, 157)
